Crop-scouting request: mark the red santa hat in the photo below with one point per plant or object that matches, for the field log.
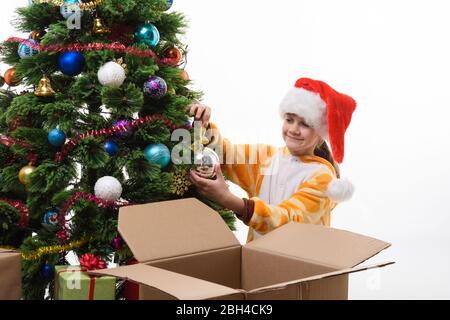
(324, 109)
(329, 113)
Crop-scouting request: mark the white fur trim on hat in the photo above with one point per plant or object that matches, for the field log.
(309, 106)
(340, 190)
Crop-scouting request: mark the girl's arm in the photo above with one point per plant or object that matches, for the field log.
(309, 204)
(241, 163)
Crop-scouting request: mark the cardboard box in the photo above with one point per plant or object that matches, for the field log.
(187, 252)
(10, 275)
(72, 283)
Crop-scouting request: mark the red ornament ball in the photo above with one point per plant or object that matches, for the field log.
(174, 54)
(10, 78)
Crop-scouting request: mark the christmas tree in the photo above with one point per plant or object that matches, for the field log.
(86, 121)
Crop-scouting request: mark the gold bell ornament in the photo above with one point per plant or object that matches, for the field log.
(99, 28)
(44, 88)
(37, 35)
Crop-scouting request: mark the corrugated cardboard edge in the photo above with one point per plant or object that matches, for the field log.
(177, 285)
(293, 230)
(380, 249)
(312, 261)
(319, 277)
(145, 224)
(181, 256)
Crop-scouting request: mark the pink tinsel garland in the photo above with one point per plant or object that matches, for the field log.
(117, 47)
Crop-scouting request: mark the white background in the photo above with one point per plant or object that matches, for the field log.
(393, 58)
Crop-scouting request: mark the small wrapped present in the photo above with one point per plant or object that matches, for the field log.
(10, 275)
(73, 283)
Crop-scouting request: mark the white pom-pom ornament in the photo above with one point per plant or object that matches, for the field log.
(111, 74)
(108, 188)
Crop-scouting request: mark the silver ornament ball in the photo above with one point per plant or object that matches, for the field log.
(205, 162)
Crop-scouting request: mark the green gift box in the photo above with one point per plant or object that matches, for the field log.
(73, 283)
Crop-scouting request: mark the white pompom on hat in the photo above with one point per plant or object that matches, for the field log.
(340, 190)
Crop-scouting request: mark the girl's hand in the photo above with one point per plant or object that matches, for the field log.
(201, 113)
(214, 190)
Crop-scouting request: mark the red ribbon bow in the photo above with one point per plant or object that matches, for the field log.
(91, 262)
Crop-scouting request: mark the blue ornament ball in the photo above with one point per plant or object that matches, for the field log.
(147, 33)
(111, 147)
(56, 137)
(71, 63)
(51, 219)
(155, 87)
(47, 270)
(158, 154)
(169, 4)
(25, 50)
(69, 8)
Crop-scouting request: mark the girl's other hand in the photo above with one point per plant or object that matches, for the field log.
(215, 190)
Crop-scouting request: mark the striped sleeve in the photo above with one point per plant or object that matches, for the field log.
(241, 163)
(309, 204)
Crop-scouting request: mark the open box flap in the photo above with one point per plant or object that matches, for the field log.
(321, 245)
(173, 228)
(177, 285)
(319, 277)
(3, 250)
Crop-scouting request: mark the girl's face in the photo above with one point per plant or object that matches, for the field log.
(300, 138)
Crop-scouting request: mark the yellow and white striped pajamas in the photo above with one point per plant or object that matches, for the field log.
(283, 187)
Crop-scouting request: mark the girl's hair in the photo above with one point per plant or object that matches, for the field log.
(322, 150)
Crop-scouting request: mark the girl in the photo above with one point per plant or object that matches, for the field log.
(298, 182)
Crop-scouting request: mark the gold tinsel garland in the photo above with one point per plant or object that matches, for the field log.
(83, 5)
(34, 255)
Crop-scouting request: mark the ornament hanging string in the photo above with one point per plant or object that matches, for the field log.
(122, 128)
(79, 47)
(23, 210)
